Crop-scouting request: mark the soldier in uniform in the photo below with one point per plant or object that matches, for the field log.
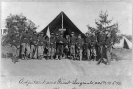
(57, 48)
(87, 44)
(40, 46)
(67, 46)
(32, 45)
(108, 46)
(33, 52)
(72, 43)
(60, 47)
(52, 46)
(25, 45)
(47, 44)
(101, 43)
(79, 45)
(93, 44)
(15, 46)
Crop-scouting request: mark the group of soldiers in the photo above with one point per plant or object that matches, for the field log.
(33, 45)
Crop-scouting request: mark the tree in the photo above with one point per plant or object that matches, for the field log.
(103, 24)
(17, 23)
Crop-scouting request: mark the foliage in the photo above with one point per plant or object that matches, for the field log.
(104, 25)
(17, 23)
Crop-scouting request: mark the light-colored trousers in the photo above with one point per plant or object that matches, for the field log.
(72, 50)
(31, 50)
(15, 51)
(51, 51)
(88, 53)
(108, 53)
(93, 50)
(80, 54)
(25, 47)
(40, 50)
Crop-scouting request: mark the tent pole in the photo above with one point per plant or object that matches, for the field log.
(62, 21)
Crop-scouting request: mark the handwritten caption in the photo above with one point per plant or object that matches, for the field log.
(65, 81)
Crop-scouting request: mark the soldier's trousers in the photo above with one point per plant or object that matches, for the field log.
(15, 51)
(108, 53)
(51, 51)
(72, 50)
(40, 50)
(93, 50)
(25, 47)
(31, 50)
(36, 50)
(80, 54)
(88, 53)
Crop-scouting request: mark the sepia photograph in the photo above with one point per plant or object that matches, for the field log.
(66, 45)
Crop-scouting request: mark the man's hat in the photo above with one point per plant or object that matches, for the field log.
(79, 34)
(72, 33)
(61, 34)
(41, 32)
(52, 33)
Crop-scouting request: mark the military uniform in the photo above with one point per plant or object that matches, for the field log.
(52, 46)
(108, 46)
(40, 46)
(57, 50)
(93, 44)
(72, 43)
(16, 45)
(67, 46)
(88, 46)
(47, 45)
(79, 45)
(25, 44)
(33, 43)
(60, 46)
(101, 43)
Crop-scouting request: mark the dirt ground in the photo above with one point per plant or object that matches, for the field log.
(118, 70)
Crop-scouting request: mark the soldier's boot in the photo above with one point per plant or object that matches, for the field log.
(60, 57)
(52, 58)
(99, 61)
(47, 57)
(40, 57)
(23, 57)
(56, 57)
(80, 59)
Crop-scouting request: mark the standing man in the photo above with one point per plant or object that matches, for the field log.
(57, 48)
(25, 45)
(60, 47)
(79, 45)
(15, 46)
(93, 44)
(87, 44)
(33, 45)
(40, 46)
(47, 41)
(73, 43)
(52, 46)
(108, 46)
(67, 46)
(101, 43)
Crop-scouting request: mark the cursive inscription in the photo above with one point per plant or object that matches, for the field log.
(64, 81)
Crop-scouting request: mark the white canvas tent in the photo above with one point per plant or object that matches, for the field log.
(124, 43)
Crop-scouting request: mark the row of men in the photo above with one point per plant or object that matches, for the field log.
(33, 46)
